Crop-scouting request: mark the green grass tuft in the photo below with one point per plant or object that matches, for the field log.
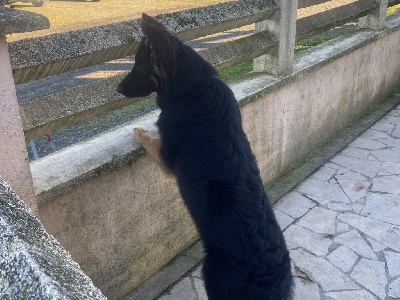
(394, 9)
(237, 71)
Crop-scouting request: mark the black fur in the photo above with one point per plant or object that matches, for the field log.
(203, 143)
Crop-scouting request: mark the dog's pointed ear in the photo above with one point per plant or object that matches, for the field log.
(163, 46)
(151, 27)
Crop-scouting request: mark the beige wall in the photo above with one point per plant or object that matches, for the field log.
(123, 226)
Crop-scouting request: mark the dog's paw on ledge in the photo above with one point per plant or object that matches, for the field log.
(152, 144)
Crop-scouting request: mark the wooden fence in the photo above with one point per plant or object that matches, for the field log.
(277, 29)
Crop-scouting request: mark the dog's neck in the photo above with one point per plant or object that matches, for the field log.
(167, 95)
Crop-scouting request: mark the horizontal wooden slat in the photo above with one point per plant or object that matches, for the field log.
(43, 56)
(235, 52)
(223, 26)
(307, 3)
(328, 19)
(72, 63)
(70, 107)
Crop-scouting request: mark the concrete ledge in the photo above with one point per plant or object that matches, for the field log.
(16, 21)
(33, 265)
(109, 151)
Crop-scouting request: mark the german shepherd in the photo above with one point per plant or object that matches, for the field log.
(203, 145)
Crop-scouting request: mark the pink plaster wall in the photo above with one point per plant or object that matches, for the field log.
(123, 226)
(14, 165)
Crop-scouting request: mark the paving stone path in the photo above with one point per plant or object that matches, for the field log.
(342, 224)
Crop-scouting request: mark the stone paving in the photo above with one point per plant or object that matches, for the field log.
(342, 224)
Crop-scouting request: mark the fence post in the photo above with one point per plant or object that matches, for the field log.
(14, 164)
(283, 25)
(376, 20)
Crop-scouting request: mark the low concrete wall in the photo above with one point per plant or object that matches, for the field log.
(122, 220)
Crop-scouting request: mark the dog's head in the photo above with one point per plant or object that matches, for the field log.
(155, 60)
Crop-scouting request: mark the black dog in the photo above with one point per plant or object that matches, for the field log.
(204, 146)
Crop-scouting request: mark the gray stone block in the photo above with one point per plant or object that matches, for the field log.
(33, 265)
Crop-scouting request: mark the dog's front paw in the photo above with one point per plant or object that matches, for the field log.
(142, 135)
(152, 145)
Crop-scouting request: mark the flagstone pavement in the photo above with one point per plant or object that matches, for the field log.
(341, 225)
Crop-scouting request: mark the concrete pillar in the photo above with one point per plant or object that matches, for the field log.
(14, 164)
(283, 25)
(376, 20)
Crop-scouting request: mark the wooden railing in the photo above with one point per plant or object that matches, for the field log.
(272, 44)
